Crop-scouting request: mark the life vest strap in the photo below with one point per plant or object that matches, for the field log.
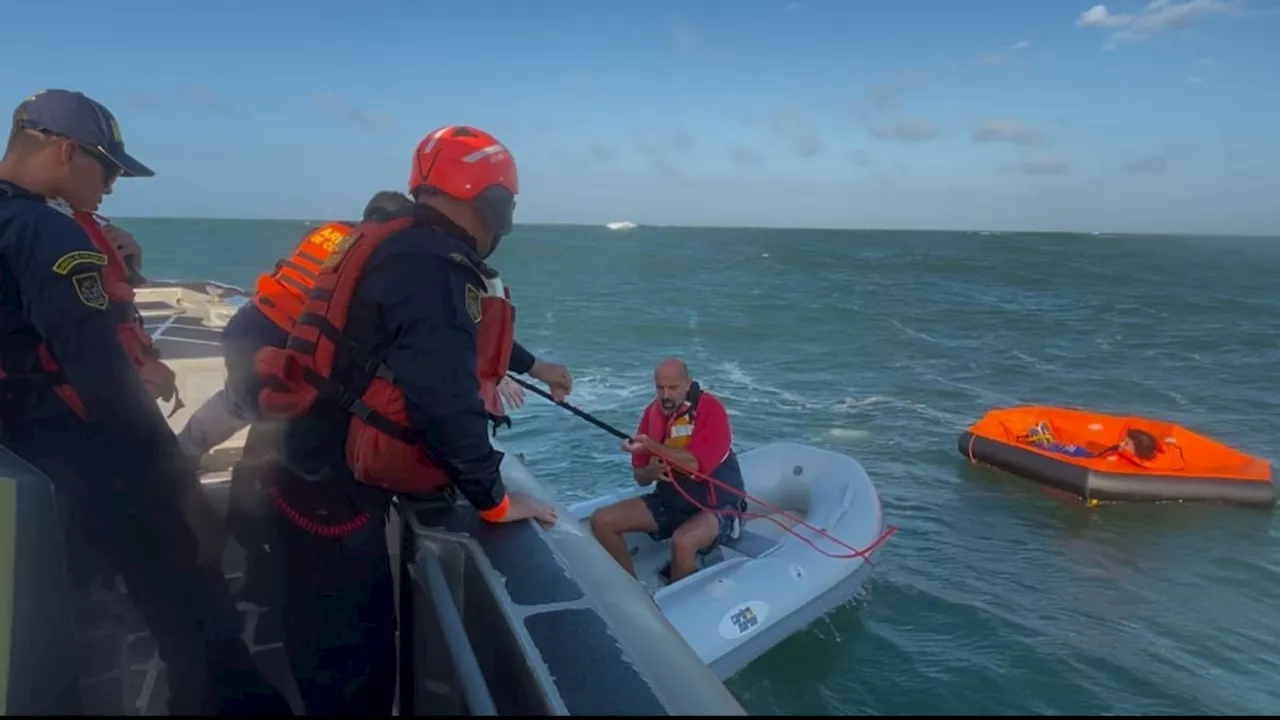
(313, 259)
(353, 404)
(345, 348)
(296, 267)
(292, 282)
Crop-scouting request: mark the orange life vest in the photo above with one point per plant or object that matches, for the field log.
(281, 294)
(495, 340)
(381, 449)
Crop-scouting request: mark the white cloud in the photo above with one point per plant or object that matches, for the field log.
(908, 130)
(798, 132)
(600, 152)
(1009, 130)
(744, 155)
(887, 95)
(1043, 165)
(859, 158)
(206, 98)
(663, 150)
(333, 102)
(1004, 56)
(1157, 17)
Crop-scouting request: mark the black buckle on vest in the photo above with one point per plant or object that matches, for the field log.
(347, 401)
(376, 368)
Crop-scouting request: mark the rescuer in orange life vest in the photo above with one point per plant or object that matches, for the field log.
(382, 390)
(266, 322)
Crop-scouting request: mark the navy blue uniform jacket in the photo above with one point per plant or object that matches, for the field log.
(51, 289)
(409, 309)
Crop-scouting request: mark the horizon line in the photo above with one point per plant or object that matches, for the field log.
(641, 225)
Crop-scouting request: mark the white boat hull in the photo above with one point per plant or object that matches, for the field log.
(768, 584)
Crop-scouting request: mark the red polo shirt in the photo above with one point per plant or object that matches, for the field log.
(709, 441)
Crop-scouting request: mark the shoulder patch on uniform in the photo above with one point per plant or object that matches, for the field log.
(474, 308)
(75, 258)
(90, 290)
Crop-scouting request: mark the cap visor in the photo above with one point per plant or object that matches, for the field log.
(137, 279)
(129, 167)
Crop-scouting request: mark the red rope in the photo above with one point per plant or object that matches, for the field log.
(864, 553)
(331, 532)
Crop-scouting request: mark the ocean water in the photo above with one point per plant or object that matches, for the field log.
(995, 597)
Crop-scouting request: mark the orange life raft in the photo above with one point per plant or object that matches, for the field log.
(1038, 443)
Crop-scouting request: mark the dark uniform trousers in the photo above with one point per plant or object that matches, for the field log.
(188, 608)
(338, 607)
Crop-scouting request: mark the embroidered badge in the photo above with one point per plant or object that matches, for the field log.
(89, 289)
(75, 258)
(474, 308)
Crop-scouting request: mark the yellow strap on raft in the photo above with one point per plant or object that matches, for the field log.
(1040, 434)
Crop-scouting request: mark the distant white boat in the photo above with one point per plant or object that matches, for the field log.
(622, 225)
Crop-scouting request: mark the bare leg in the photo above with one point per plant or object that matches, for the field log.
(610, 522)
(695, 534)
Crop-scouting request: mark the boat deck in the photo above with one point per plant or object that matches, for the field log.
(119, 665)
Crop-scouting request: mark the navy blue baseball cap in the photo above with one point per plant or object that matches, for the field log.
(77, 117)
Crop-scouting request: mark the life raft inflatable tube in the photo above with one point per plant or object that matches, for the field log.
(1197, 468)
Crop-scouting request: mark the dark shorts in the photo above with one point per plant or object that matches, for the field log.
(669, 516)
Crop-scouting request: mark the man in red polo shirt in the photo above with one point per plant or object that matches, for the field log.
(690, 426)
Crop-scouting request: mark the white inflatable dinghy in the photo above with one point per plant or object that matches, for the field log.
(755, 591)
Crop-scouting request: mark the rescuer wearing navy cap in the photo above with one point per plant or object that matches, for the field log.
(73, 405)
(75, 116)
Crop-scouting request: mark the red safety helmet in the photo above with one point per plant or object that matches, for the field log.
(468, 164)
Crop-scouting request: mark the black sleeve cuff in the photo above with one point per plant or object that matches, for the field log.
(521, 360)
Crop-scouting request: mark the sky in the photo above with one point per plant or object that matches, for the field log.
(1134, 116)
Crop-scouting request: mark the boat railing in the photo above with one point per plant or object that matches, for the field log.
(38, 636)
(460, 650)
(435, 613)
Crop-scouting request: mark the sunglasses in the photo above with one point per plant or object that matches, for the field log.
(110, 168)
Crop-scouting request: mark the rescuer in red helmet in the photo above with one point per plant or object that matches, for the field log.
(386, 387)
